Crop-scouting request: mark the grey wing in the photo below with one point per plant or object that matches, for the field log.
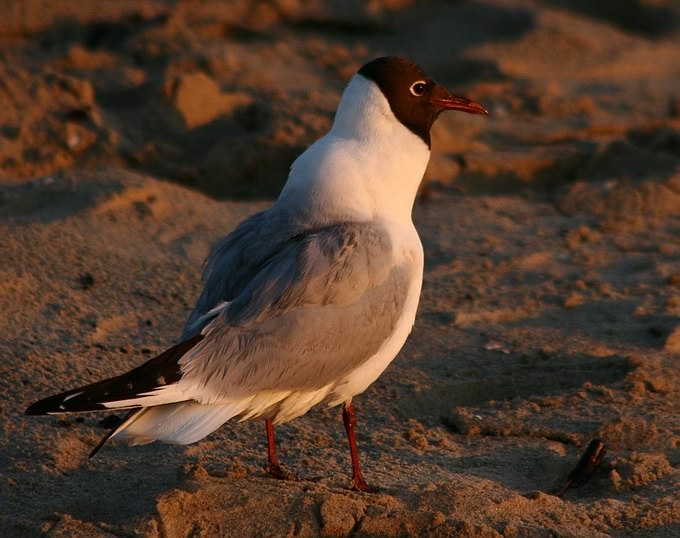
(230, 265)
(315, 311)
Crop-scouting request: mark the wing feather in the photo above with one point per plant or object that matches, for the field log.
(132, 389)
(316, 310)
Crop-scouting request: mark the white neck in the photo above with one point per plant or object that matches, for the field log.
(368, 166)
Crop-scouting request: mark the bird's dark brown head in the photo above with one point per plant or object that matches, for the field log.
(415, 99)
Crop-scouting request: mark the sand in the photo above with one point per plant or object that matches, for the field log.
(134, 135)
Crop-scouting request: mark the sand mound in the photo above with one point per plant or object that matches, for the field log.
(630, 182)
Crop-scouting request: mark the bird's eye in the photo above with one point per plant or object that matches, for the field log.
(418, 88)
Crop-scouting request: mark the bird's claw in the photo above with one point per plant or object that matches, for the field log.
(275, 471)
(359, 484)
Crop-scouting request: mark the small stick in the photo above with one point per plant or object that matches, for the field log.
(586, 466)
(147, 296)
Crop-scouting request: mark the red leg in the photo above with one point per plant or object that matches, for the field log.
(273, 468)
(358, 482)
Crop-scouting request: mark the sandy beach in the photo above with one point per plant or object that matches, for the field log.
(134, 135)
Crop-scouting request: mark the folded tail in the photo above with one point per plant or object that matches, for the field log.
(180, 423)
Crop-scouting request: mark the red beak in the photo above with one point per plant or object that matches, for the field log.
(453, 102)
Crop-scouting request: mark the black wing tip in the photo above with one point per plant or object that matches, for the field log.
(42, 407)
(60, 403)
(123, 387)
(34, 410)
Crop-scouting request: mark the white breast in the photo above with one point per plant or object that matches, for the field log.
(368, 167)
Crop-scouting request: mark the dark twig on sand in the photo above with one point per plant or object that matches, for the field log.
(586, 466)
(147, 296)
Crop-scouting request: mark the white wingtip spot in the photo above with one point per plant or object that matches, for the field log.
(71, 396)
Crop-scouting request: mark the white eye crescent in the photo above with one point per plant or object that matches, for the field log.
(418, 88)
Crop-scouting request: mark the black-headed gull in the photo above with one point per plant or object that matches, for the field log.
(308, 301)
